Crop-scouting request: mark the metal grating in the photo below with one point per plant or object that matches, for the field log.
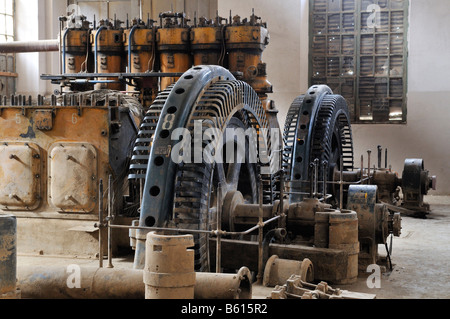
(359, 49)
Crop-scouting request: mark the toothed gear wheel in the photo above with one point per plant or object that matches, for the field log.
(318, 127)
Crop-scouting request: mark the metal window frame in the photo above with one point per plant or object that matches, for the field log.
(3, 13)
(354, 104)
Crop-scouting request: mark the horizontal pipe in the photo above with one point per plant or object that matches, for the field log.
(79, 282)
(60, 282)
(30, 46)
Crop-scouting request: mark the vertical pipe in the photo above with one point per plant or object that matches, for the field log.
(219, 229)
(282, 223)
(362, 168)
(59, 47)
(64, 51)
(325, 166)
(341, 184)
(316, 176)
(379, 155)
(368, 166)
(386, 158)
(110, 196)
(133, 29)
(100, 227)
(96, 47)
(260, 233)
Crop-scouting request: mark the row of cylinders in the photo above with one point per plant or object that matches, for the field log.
(173, 47)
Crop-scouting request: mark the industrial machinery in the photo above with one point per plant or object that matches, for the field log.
(170, 129)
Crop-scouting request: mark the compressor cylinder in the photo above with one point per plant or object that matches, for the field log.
(76, 48)
(140, 48)
(208, 42)
(77, 52)
(246, 41)
(107, 43)
(173, 45)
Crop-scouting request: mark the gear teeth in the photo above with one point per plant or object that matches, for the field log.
(141, 150)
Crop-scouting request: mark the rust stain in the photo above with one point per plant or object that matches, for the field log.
(7, 246)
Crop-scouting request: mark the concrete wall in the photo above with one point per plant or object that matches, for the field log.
(424, 136)
(427, 131)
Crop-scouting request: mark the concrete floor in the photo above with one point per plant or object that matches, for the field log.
(421, 260)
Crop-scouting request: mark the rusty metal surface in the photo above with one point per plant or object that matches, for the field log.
(373, 221)
(44, 119)
(296, 288)
(51, 282)
(224, 286)
(20, 176)
(169, 267)
(278, 270)
(78, 161)
(344, 235)
(42, 180)
(8, 257)
(173, 47)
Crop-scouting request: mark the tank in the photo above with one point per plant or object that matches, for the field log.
(109, 56)
(140, 49)
(173, 42)
(208, 42)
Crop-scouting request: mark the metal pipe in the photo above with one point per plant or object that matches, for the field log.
(219, 228)
(79, 282)
(100, 226)
(51, 282)
(96, 46)
(325, 166)
(30, 46)
(194, 231)
(130, 39)
(260, 233)
(380, 150)
(341, 187)
(110, 196)
(282, 223)
(386, 158)
(223, 286)
(316, 175)
(64, 50)
(362, 169)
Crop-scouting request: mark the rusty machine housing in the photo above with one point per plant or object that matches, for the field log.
(89, 171)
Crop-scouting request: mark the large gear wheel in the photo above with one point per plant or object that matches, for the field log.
(187, 195)
(317, 128)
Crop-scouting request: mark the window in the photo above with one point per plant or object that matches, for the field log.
(6, 20)
(359, 49)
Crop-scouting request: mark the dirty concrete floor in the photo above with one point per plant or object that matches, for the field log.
(421, 260)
